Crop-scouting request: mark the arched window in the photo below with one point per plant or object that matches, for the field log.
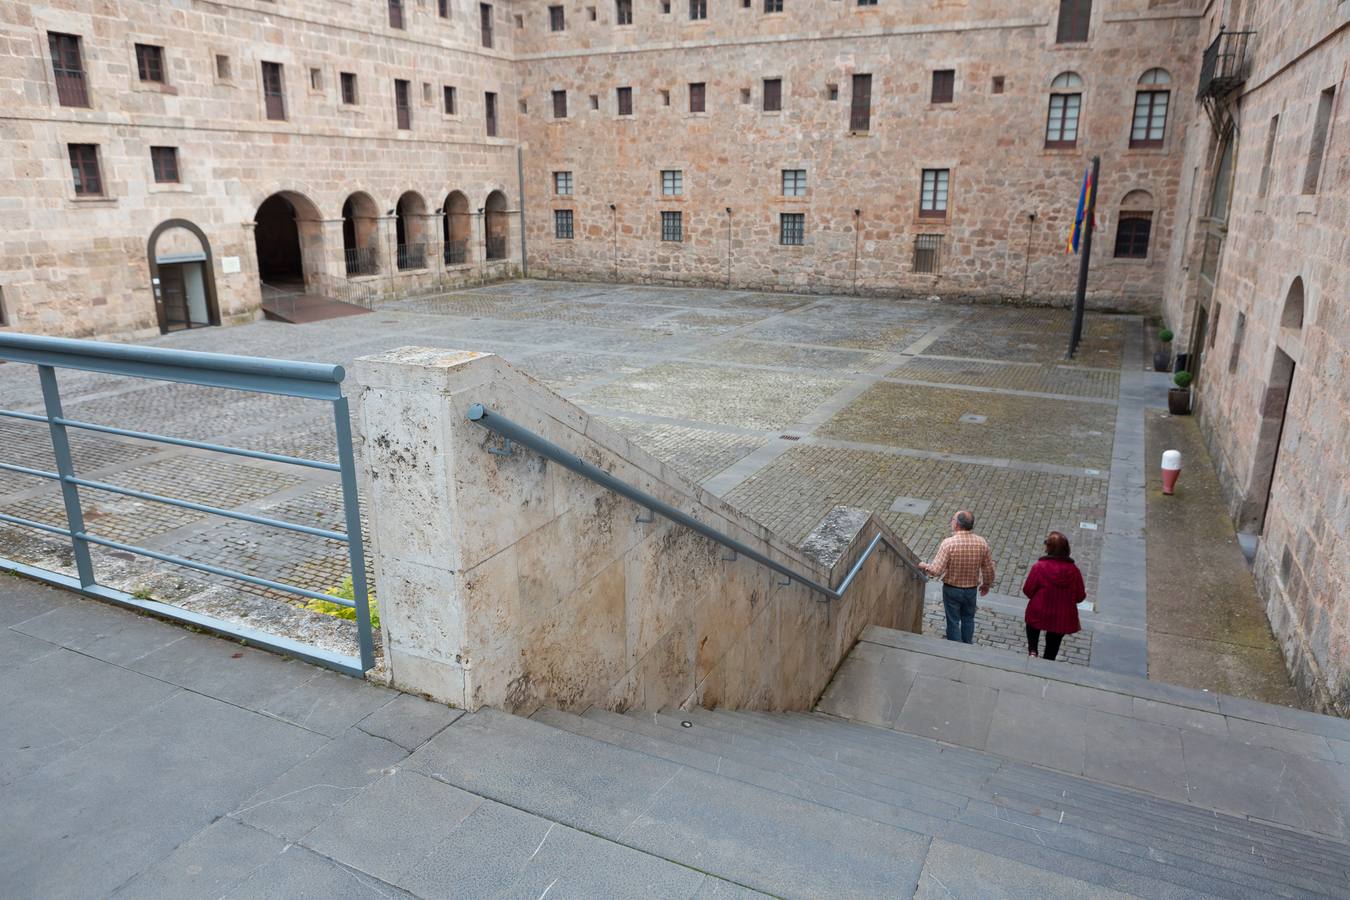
(1134, 226)
(1292, 314)
(1150, 109)
(1066, 100)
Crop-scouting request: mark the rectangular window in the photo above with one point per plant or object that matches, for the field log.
(773, 6)
(791, 228)
(443, 8)
(1239, 331)
(860, 112)
(623, 12)
(794, 182)
(672, 182)
(84, 169)
(1150, 118)
(150, 63)
(490, 112)
(68, 69)
(933, 198)
(562, 224)
(396, 14)
(698, 9)
(927, 254)
(402, 105)
(560, 104)
(316, 79)
(697, 101)
(562, 183)
(1132, 232)
(625, 98)
(1319, 141)
(867, 2)
(485, 22)
(773, 94)
(274, 91)
(348, 80)
(164, 163)
(448, 100)
(557, 20)
(672, 226)
(1061, 123)
(1073, 21)
(427, 93)
(1270, 155)
(944, 85)
(665, 97)
(997, 86)
(222, 67)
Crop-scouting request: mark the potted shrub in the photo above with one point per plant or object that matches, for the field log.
(1179, 397)
(1162, 360)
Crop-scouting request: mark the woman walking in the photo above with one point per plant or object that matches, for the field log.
(1054, 588)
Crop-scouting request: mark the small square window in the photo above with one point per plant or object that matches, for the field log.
(595, 101)
(520, 21)
(792, 228)
(745, 95)
(164, 163)
(672, 226)
(523, 107)
(590, 11)
(150, 63)
(832, 92)
(665, 7)
(665, 98)
(672, 182)
(997, 86)
(794, 182)
(348, 80)
(448, 100)
(562, 224)
(316, 79)
(562, 183)
(222, 67)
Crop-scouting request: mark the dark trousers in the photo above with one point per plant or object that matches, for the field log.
(1051, 642)
(959, 604)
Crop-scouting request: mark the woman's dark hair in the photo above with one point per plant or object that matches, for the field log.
(1056, 545)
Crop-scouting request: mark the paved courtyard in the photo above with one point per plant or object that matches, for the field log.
(786, 405)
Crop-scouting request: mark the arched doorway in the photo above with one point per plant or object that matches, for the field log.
(496, 225)
(409, 225)
(455, 228)
(182, 277)
(286, 225)
(360, 234)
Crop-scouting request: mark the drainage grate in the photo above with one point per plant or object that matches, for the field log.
(972, 419)
(790, 437)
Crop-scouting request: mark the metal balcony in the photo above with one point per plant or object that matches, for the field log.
(1224, 67)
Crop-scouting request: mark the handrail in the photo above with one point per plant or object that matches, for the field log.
(498, 424)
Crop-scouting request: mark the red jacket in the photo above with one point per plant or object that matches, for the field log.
(1054, 587)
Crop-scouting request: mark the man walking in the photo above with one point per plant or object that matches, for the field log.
(964, 564)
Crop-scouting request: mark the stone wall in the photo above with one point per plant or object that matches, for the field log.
(510, 581)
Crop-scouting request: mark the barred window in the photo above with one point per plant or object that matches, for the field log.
(562, 224)
(164, 163)
(68, 69)
(944, 85)
(623, 12)
(672, 226)
(927, 254)
(860, 111)
(1132, 232)
(773, 94)
(625, 97)
(697, 101)
(562, 183)
(933, 198)
(672, 182)
(84, 169)
(560, 104)
(150, 63)
(402, 104)
(791, 228)
(348, 80)
(794, 182)
(274, 91)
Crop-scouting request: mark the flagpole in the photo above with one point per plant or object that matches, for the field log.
(1080, 298)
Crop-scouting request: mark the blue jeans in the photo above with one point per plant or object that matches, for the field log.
(960, 606)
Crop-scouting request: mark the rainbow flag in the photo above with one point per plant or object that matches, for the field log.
(1084, 197)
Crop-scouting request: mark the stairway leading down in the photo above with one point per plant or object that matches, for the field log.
(1070, 784)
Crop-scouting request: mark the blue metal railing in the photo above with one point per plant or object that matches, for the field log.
(309, 381)
(518, 434)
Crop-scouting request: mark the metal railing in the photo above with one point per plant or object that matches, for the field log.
(361, 261)
(496, 246)
(412, 256)
(310, 381)
(456, 252)
(518, 434)
(1221, 69)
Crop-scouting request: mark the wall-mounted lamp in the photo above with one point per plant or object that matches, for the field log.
(390, 213)
(728, 210)
(612, 207)
(857, 212)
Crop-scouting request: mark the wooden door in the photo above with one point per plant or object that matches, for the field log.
(173, 296)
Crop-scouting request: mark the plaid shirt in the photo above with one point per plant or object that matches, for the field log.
(963, 560)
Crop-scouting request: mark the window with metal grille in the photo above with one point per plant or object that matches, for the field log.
(68, 69)
(164, 163)
(944, 85)
(933, 195)
(348, 80)
(562, 183)
(698, 9)
(867, 2)
(560, 104)
(672, 226)
(84, 169)
(773, 94)
(443, 8)
(485, 24)
(401, 104)
(396, 14)
(860, 112)
(1317, 147)
(1074, 16)
(1132, 233)
(697, 101)
(562, 223)
(557, 21)
(490, 112)
(773, 6)
(625, 98)
(274, 91)
(791, 228)
(927, 254)
(222, 67)
(1061, 121)
(150, 63)
(623, 12)
(448, 105)
(1270, 155)
(794, 182)
(672, 182)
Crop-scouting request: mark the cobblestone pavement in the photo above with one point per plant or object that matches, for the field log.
(1005, 631)
(787, 404)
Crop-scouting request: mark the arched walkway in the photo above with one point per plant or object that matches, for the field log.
(360, 234)
(456, 228)
(287, 232)
(182, 276)
(496, 225)
(410, 227)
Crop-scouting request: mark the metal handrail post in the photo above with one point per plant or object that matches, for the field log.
(65, 467)
(356, 553)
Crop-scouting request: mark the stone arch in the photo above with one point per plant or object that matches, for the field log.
(1134, 225)
(361, 234)
(288, 237)
(1292, 314)
(1155, 76)
(182, 276)
(1137, 199)
(456, 228)
(410, 215)
(496, 225)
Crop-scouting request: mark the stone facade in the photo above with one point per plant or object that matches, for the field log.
(1257, 288)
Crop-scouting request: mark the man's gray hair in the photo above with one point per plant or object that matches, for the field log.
(965, 521)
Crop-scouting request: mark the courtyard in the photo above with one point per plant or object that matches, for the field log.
(785, 405)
